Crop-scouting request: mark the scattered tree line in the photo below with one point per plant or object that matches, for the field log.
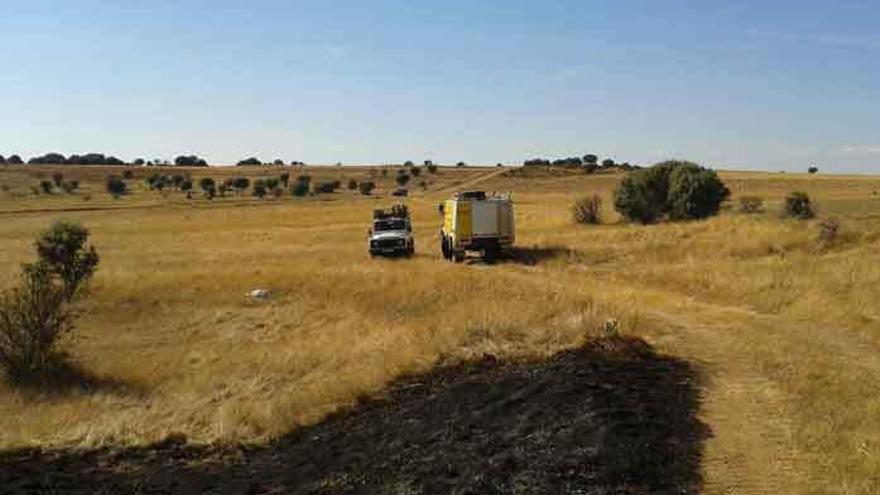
(589, 162)
(256, 162)
(102, 159)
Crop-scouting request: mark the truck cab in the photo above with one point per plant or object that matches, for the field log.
(476, 222)
(391, 233)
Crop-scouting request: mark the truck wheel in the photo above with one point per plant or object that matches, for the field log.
(444, 247)
(490, 254)
(458, 256)
(412, 250)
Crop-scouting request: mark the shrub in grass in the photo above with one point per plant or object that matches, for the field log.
(402, 178)
(240, 184)
(325, 187)
(300, 188)
(259, 189)
(58, 179)
(588, 210)
(128, 174)
(798, 205)
(272, 183)
(46, 186)
(680, 190)
(116, 186)
(33, 317)
(751, 205)
(366, 187)
(829, 230)
(352, 184)
(70, 186)
(432, 169)
(186, 186)
(284, 178)
(63, 253)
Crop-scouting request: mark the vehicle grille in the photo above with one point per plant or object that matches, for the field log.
(387, 243)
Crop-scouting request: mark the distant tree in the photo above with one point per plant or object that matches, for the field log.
(177, 180)
(186, 186)
(284, 178)
(428, 163)
(190, 161)
(14, 160)
(460, 164)
(499, 164)
(259, 189)
(300, 188)
(240, 184)
(607, 163)
(138, 162)
(278, 162)
(536, 162)
(402, 179)
(366, 187)
(272, 183)
(591, 159)
(128, 174)
(408, 163)
(208, 186)
(431, 167)
(249, 162)
(325, 187)
(813, 170)
(58, 179)
(116, 186)
(2, 160)
(48, 159)
(46, 186)
(352, 184)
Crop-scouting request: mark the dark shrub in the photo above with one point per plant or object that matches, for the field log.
(240, 184)
(682, 190)
(590, 159)
(58, 179)
(284, 178)
(813, 170)
(460, 164)
(14, 160)
(252, 161)
(695, 192)
(751, 204)
(300, 188)
(116, 186)
(588, 210)
(208, 186)
(408, 164)
(190, 161)
(32, 318)
(366, 187)
(138, 162)
(186, 186)
(259, 188)
(128, 174)
(402, 179)
(46, 186)
(415, 171)
(62, 251)
(177, 180)
(272, 183)
(352, 184)
(607, 163)
(431, 167)
(325, 187)
(797, 205)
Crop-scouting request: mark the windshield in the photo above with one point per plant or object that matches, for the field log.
(389, 224)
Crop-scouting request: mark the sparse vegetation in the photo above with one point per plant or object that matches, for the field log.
(798, 205)
(366, 187)
(588, 210)
(751, 205)
(116, 186)
(62, 252)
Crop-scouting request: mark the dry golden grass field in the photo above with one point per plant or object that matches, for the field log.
(783, 326)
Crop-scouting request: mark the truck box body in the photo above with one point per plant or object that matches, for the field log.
(478, 222)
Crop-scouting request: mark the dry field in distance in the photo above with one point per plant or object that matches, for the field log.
(784, 327)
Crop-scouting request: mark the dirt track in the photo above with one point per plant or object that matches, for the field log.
(612, 418)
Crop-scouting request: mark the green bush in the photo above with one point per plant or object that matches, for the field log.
(677, 189)
(432, 169)
(46, 186)
(32, 318)
(260, 189)
(352, 184)
(116, 186)
(325, 187)
(62, 251)
(366, 187)
(588, 210)
(695, 192)
(798, 205)
(300, 188)
(284, 178)
(402, 178)
(240, 184)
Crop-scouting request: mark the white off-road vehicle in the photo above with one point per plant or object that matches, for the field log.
(392, 232)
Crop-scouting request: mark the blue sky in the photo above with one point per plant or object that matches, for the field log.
(747, 84)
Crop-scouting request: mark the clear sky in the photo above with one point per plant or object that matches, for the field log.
(746, 84)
